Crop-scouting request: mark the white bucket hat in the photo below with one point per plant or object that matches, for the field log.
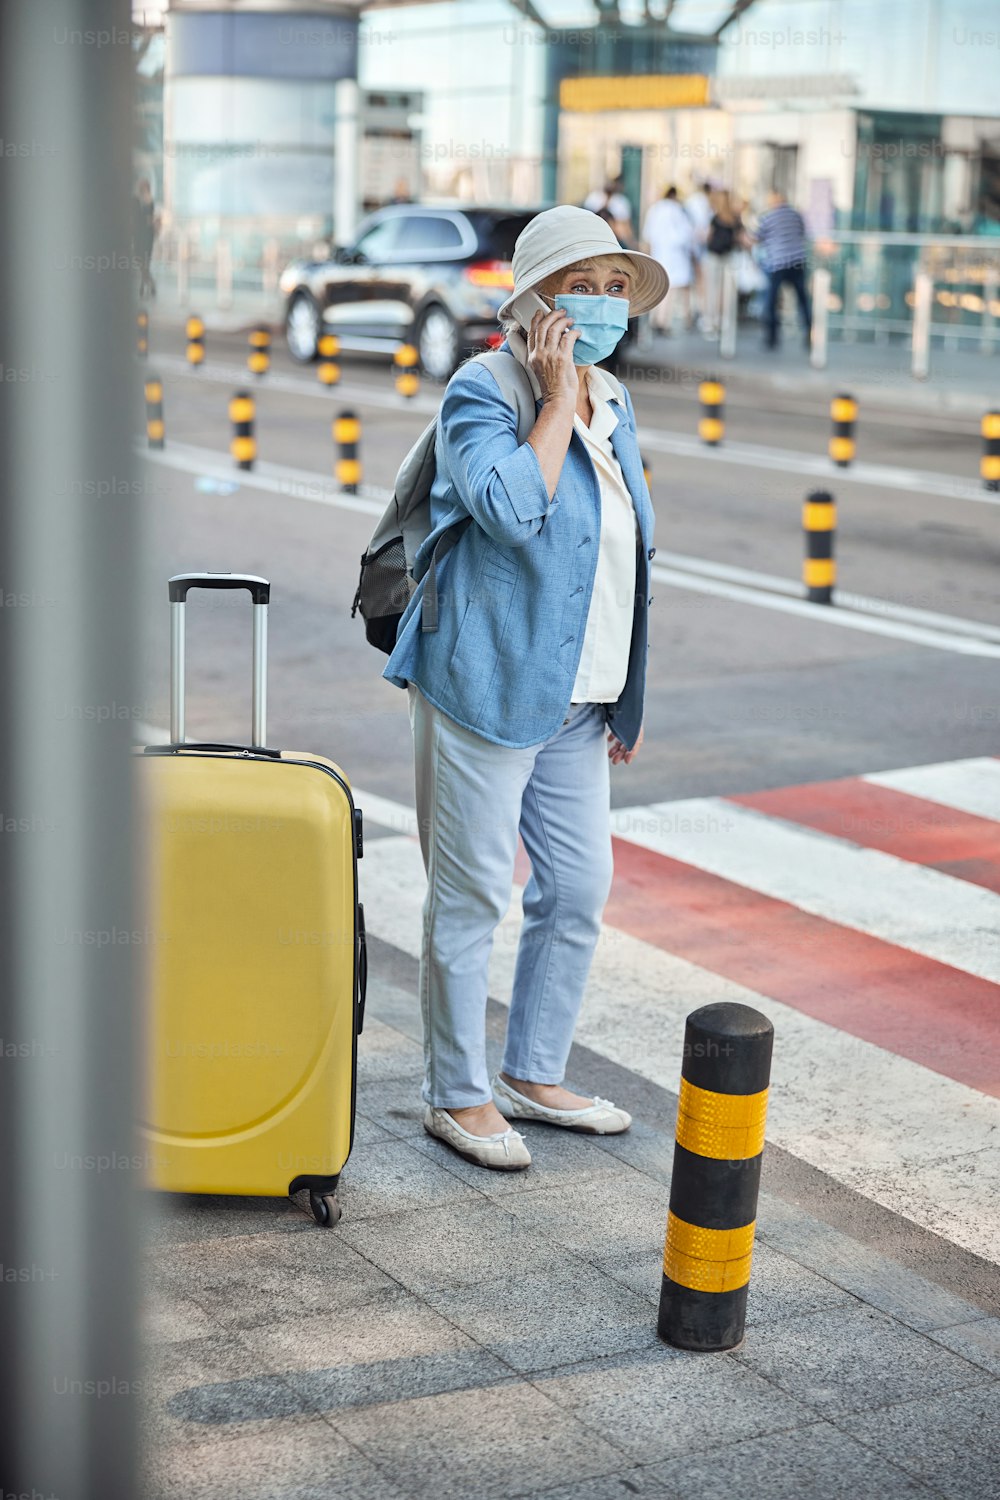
(559, 237)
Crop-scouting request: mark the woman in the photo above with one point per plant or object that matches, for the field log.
(540, 647)
(725, 234)
(670, 236)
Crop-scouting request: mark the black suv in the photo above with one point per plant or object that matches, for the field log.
(431, 276)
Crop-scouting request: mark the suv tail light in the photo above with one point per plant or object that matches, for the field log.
(496, 273)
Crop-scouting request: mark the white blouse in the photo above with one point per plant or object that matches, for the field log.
(603, 665)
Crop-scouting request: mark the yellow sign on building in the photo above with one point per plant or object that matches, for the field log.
(642, 91)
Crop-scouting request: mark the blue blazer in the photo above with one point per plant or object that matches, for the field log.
(514, 591)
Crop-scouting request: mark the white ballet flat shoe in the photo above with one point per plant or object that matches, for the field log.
(504, 1152)
(600, 1118)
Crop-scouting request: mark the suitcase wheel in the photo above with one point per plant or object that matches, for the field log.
(326, 1209)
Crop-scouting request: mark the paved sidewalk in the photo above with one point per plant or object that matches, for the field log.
(472, 1334)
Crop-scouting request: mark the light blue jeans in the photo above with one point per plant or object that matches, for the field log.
(473, 797)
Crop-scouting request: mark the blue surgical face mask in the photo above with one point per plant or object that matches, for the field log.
(602, 322)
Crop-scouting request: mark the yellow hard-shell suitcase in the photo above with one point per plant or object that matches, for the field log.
(256, 965)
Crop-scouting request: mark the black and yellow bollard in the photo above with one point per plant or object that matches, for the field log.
(713, 1191)
(154, 411)
(195, 330)
(406, 360)
(843, 415)
(244, 445)
(328, 371)
(647, 472)
(347, 435)
(259, 358)
(819, 569)
(712, 427)
(989, 464)
(142, 334)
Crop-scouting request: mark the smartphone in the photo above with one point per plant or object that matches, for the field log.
(523, 308)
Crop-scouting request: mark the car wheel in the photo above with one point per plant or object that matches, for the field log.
(302, 327)
(437, 343)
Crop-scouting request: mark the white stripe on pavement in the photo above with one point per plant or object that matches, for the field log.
(874, 624)
(884, 608)
(969, 786)
(276, 479)
(303, 484)
(873, 1121)
(297, 385)
(788, 461)
(920, 909)
(682, 445)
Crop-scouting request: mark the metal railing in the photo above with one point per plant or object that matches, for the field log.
(876, 286)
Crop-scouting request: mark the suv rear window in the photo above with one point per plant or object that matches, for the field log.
(420, 234)
(497, 235)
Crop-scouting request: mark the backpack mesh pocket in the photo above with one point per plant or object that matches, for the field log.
(384, 590)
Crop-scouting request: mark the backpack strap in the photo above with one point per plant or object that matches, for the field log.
(516, 391)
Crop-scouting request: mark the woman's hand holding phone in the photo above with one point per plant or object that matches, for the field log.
(551, 337)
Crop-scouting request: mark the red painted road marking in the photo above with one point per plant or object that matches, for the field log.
(918, 1008)
(911, 828)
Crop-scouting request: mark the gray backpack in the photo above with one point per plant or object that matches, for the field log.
(387, 580)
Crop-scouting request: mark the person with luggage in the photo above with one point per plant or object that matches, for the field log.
(526, 683)
(725, 235)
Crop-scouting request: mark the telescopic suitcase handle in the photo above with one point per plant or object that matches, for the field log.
(260, 591)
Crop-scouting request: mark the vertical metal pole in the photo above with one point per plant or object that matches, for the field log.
(821, 318)
(224, 273)
(177, 683)
(183, 266)
(346, 166)
(259, 728)
(923, 293)
(730, 305)
(69, 944)
(987, 340)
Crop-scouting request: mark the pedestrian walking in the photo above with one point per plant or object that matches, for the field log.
(668, 234)
(725, 235)
(144, 225)
(781, 235)
(532, 685)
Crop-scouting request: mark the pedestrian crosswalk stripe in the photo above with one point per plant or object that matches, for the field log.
(921, 1009)
(911, 828)
(874, 1121)
(972, 786)
(922, 910)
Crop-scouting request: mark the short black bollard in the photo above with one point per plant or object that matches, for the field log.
(154, 411)
(259, 358)
(347, 435)
(195, 331)
(712, 427)
(142, 334)
(713, 1191)
(843, 414)
(407, 360)
(328, 371)
(989, 464)
(244, 445)
(819, 568)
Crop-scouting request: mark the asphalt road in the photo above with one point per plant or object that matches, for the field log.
(742, 695)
